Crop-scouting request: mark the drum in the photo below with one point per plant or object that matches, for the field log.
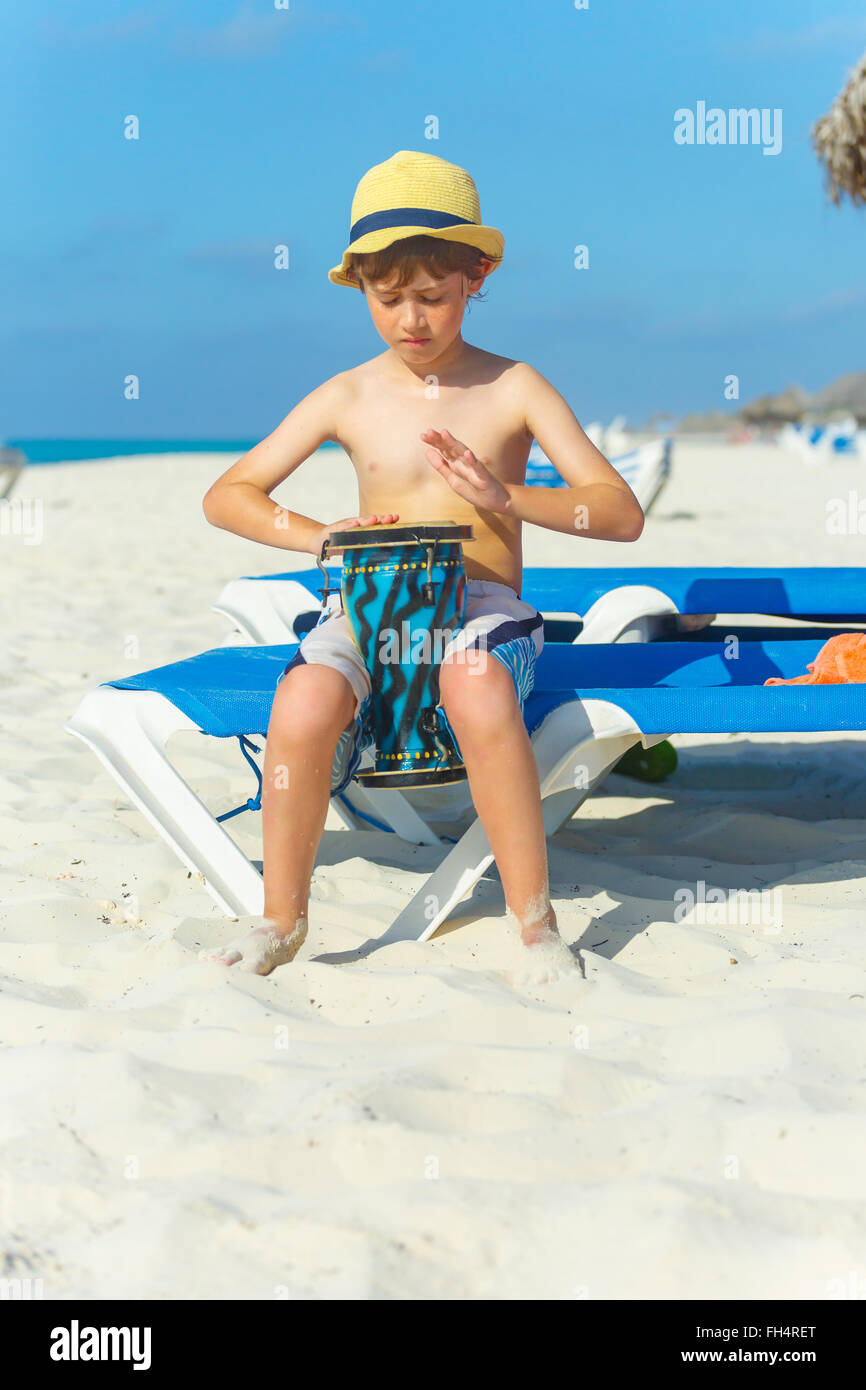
(404, 592)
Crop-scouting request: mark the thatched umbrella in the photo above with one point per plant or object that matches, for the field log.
(776, 410)
(840, 140)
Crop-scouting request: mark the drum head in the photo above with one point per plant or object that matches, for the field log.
(401, 534)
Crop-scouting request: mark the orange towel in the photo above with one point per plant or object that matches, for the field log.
(840, 660)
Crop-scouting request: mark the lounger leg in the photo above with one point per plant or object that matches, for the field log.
(384, 805)
(573, 758)
(394, 809)
(128, 731)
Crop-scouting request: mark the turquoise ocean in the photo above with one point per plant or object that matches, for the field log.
(74, 450)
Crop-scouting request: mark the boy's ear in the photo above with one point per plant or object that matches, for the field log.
(478, 280)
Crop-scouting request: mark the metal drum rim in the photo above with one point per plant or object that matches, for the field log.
(447, 532)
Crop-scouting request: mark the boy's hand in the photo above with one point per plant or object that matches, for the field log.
(465, 473)
(374, 519)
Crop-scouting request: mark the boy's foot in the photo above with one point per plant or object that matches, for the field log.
(261, 949)
(547, 957)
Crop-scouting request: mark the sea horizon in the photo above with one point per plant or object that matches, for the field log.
(47, 451)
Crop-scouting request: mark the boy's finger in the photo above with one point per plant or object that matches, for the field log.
(452, 449)
(436, 459)
(458, 484)
(448, 447)
(466, 470)
(443, 467)
(456, 444)
(462, 490)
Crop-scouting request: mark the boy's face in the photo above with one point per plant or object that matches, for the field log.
(420, 320)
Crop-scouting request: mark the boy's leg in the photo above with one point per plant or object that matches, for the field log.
(312, 706)
(478, 695)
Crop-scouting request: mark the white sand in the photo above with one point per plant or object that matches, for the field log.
(413, 1125)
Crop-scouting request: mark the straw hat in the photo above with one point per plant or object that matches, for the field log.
(414, 194)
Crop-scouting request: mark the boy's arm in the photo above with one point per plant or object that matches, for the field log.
(598, 502)
(240, 500)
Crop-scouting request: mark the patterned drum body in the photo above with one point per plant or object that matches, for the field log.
(404, 591)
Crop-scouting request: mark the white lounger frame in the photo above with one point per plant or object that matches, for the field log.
(575, 747)
(264, 612)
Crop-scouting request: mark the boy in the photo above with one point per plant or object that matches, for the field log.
(435, 429)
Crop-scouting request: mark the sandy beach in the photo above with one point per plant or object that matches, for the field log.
(685, 1121)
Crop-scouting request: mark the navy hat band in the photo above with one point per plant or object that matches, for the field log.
(407, 217)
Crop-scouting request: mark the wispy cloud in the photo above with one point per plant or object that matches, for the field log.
(127, 28)
(250, 33)
(245, 256)
(832, 32)
(99, 253)
(831, 303)
(108, 233)
(716, 324)
(253, 31)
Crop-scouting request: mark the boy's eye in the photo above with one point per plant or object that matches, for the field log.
(389, 303)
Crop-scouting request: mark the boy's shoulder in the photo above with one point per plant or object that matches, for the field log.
(513, 372)
(518, 380)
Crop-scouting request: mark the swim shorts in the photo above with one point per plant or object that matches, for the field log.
(495, 619)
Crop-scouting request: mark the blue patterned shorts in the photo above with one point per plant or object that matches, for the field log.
(496, 620)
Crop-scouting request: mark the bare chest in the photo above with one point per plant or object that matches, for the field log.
(382, 437)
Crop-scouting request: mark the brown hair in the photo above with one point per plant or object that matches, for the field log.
(402, 258)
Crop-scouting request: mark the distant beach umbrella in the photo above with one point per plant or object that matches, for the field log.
(840, 140)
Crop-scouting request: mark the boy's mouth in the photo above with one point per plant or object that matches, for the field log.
(415, 342)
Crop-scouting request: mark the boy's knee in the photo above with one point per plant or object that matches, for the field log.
(475, 691)
(312, 701)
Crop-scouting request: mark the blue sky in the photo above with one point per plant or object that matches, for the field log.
(155, 256)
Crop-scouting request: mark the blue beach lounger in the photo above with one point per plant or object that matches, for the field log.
(615, 604)
(590, 705)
